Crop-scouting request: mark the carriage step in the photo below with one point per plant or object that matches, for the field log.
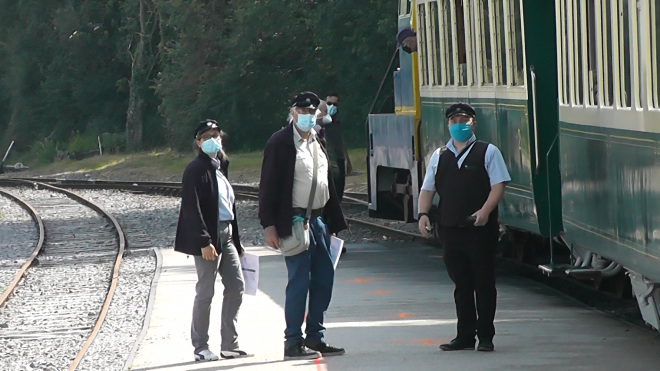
(555, 270)
(584, 273)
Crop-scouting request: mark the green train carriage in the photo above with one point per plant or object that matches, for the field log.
(609, 122)
(532, 70)
(515, 111)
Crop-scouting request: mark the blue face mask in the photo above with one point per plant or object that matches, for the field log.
(305, 122)
(461, 132)
(211, 146)
(332, 110)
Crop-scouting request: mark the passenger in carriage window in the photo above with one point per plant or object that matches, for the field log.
(208, 230)
(299, 210)
(469, 176)
(407, 38)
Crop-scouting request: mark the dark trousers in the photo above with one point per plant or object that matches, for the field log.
(469, 254)
(339, 176)
(310, 272)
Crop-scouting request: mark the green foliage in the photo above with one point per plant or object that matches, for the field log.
(82, 143)
(43, 152)
(71, 66)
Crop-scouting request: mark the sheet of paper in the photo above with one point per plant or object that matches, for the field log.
(250, 267)
(336, 245)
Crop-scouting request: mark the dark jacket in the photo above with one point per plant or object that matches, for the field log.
(276, 187)
(198, 215)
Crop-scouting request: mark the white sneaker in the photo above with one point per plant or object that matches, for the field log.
(231, 354)
(205, 356)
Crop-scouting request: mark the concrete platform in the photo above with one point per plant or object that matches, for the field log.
(392, 307)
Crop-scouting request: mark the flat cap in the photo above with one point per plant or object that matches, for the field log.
(460, 109)
(306, 99)
(204, 126)
(404, 34)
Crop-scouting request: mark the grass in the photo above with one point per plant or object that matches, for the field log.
(167, 165)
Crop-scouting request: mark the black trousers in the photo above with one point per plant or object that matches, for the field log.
(339, 176)
(469, 255)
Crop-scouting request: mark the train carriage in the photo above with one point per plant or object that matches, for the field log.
(569, 90)
(476, 51)
(609, 120)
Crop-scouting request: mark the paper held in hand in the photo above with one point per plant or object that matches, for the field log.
(250, 268)
(336, 245)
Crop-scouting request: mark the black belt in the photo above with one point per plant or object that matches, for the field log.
(303, 212)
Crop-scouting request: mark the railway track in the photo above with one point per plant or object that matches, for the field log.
(54, 308)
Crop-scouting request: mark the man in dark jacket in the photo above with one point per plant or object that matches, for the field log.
(285, 193)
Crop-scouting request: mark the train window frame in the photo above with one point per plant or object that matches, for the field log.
(434, 41)
(653, 59)
(405, 6)
(422, 44)
(476, 76)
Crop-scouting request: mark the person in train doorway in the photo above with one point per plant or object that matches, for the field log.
(297, 202)
(469, 176)
(208, 230)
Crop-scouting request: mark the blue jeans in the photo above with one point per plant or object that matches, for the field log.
(310, 271)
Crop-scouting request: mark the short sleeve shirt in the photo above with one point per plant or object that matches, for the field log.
(494, 162)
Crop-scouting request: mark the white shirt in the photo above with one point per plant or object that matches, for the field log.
(494, 162)
(302, 178)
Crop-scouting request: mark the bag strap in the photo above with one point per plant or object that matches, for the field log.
(315, 144)
(464, 151)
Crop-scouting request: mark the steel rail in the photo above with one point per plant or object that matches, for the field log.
(40, 226)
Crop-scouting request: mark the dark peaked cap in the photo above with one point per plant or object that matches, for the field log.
(460, 109)
(306, 99)
(204, 126)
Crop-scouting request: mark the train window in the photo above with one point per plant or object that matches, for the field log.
(460, 42)
(606, 58)
(516, 56)
(435, 43)
(500, 44)
(578, 71)
(592, 53)
(448, 42)
(655, 49)
(624, 53)
(404, 7)
(422, 48)
(482, 41)
(565, 59)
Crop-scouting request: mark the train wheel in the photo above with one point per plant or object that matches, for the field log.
(521, 244)
(622, 286)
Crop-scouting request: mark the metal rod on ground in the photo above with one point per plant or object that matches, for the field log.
(2, 164)
(100, 148)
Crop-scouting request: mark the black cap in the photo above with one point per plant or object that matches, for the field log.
(460, 109)
(404, 34)
(204, 126)
(306, 99)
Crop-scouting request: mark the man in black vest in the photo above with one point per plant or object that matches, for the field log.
(469, 176)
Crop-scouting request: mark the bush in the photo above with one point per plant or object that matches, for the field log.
(44, 152)
(81, 144)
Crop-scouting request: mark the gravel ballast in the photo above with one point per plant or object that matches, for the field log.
(18, 239)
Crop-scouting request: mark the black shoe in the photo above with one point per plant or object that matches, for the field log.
(486, 346)
(325, 349)
(458, 344)
(343, 250)
(299, 351)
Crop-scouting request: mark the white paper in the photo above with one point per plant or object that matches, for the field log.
(250, 268)
(336, 245)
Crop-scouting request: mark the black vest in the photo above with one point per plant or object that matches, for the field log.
(463, 191)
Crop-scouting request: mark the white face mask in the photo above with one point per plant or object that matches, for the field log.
(326, 119)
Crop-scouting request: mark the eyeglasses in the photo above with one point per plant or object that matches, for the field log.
(207, 136)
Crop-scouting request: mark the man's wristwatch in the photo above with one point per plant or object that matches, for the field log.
(419, 215)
